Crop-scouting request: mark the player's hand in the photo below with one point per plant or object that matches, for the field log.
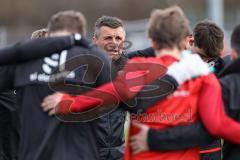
(50, 103)
(139, 142)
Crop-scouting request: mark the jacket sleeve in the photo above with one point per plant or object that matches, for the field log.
(211, 109)
(124, 87)
(149, 96)
(32, 49)
(178, 138)
(148, 52)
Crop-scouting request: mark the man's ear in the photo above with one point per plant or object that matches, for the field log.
(191, 40)
(94, 40)
(233, 54)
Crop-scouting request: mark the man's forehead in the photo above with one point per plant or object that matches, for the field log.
(107, 31)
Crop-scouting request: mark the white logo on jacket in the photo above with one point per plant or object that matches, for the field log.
(49, 66)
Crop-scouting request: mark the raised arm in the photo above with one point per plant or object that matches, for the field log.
(37, 48)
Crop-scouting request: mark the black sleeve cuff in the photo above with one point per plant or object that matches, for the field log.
(153, 140)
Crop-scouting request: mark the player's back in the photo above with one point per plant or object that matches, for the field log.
(179, 108)
(42, 136)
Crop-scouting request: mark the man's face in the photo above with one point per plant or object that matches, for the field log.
(111, 41)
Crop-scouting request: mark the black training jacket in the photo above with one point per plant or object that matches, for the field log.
(44, 137)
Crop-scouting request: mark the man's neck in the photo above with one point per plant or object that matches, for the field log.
(60, 33)
(174, 52)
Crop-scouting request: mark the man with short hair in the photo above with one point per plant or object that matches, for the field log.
(109, 35)
(206, 41)
(67, 22)
(44, 137)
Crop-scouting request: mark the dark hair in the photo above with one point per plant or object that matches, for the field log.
(235, 39)
(111, 22)
(168, 27)
(71, 21)
(209, 37)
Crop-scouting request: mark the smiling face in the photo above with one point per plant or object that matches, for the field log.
(110, 40)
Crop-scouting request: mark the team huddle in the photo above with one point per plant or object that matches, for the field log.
(72, 97)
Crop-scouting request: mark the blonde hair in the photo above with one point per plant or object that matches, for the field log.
(41, 33)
